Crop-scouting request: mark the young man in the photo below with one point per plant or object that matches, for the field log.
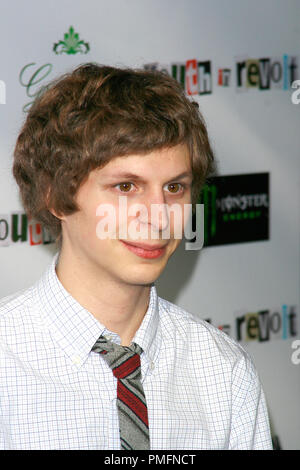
(91, 357)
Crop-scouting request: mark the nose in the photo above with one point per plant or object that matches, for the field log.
(155, 213)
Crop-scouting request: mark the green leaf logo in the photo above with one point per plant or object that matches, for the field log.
(71, 44)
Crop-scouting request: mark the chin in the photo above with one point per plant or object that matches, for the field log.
(144, 276)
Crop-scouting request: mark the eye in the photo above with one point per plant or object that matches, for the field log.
(175, 188)
(126, 186)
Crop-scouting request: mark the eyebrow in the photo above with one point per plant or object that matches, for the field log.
(133, 176)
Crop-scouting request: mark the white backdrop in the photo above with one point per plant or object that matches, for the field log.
(252, 131)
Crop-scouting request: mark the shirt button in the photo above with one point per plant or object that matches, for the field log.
(77, 360)
(152, 365)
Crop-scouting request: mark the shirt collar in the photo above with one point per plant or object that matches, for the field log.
(76, 330)
(148, 335)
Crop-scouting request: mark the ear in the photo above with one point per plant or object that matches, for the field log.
(60, 217)
(50, 209)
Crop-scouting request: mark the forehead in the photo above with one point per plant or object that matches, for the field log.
(158, 162)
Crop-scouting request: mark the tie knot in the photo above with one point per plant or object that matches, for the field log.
(123, 360)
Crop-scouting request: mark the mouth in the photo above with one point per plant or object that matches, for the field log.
(145, 251)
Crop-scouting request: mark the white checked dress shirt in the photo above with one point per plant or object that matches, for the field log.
(201, 387)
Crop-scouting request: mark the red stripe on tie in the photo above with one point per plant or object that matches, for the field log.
(133, 402)
(127, 367)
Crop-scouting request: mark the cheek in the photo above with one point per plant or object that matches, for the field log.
(106, 220)
(172, 247)
(83, 223)
(179, 217)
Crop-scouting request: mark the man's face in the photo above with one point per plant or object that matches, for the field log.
(162, 177)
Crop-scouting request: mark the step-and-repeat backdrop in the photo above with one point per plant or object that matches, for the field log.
(240, 61)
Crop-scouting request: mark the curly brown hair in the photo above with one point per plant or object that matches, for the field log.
(87, 117)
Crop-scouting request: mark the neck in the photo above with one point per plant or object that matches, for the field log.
(119, 306)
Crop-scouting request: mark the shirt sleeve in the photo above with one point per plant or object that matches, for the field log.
(5, 443)
(250, 428)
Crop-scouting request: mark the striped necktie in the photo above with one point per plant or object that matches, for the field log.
(131, 402)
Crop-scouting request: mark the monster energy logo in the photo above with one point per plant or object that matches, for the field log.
(248, 211)
(209, 196)
(242, 202)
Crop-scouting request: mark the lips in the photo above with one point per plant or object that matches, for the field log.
(144, 246)
(144, 250)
